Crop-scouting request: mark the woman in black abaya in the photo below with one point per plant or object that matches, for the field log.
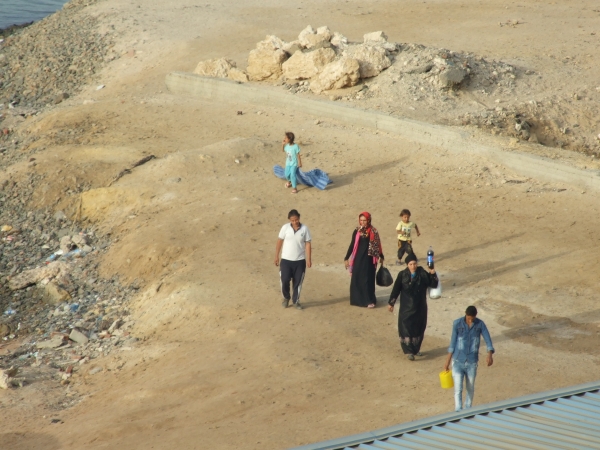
(361, 260)
(411, 285)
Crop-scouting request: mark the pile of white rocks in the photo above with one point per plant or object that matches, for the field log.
(327, 60)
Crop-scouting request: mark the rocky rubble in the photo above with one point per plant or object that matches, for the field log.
(420, 82)
(52, 300)
(323, 57)
(50, 60)
(327, 60)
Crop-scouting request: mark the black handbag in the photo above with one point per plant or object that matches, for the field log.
(384, 277)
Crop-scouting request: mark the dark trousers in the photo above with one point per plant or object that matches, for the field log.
(292, 271)
(404, 247)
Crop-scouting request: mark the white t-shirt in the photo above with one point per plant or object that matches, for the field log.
(294, 242)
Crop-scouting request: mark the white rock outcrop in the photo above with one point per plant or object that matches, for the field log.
(302, 66)
(339, 74)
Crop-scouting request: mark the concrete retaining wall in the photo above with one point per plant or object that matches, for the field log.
(455, 140)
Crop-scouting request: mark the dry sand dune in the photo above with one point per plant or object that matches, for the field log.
(220, 364)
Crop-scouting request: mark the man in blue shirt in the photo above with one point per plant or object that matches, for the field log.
(464, 353)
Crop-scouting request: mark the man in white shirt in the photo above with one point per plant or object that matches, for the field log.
(295, 257)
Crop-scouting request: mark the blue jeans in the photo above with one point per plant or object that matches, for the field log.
(290, 175)
(463, 371)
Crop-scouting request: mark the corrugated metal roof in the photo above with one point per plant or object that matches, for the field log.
(561, 419)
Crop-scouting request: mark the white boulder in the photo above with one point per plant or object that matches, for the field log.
(372, 59)
(6, 375)
(391, 46)
(265, 64)
(314, 41)
(306, 32)
(376, 37)
(311, 38)
(337, 75)
(380, 38)
(302, 66)
(451, 76)
(339, 40)
(292, 47)
(270, 42)
(236, 74)
(324, 31)
(56, 269)
(214, 67)
(221, 68)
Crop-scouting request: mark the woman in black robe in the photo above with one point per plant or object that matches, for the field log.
(361, 260)
(411, 285)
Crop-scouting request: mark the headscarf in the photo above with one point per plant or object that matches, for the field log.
(410, 257)
(364, 231)
(375, 248)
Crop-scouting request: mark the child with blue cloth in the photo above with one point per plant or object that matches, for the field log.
(292, 161)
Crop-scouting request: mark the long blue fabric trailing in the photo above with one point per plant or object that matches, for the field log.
(313, 178)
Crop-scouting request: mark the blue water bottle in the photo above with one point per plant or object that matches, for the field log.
(430, 258)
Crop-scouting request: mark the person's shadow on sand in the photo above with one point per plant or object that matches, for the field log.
(348, 178)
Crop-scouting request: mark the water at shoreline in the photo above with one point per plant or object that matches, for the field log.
(17, 12)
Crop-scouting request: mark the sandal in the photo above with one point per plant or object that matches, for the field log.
(371, 305)
(288, 184)
(294, 191)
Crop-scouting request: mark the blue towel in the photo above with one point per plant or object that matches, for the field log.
(314, 178)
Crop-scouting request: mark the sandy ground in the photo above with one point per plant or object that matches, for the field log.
(222, 365)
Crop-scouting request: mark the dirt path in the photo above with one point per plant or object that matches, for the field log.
(222, 365)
